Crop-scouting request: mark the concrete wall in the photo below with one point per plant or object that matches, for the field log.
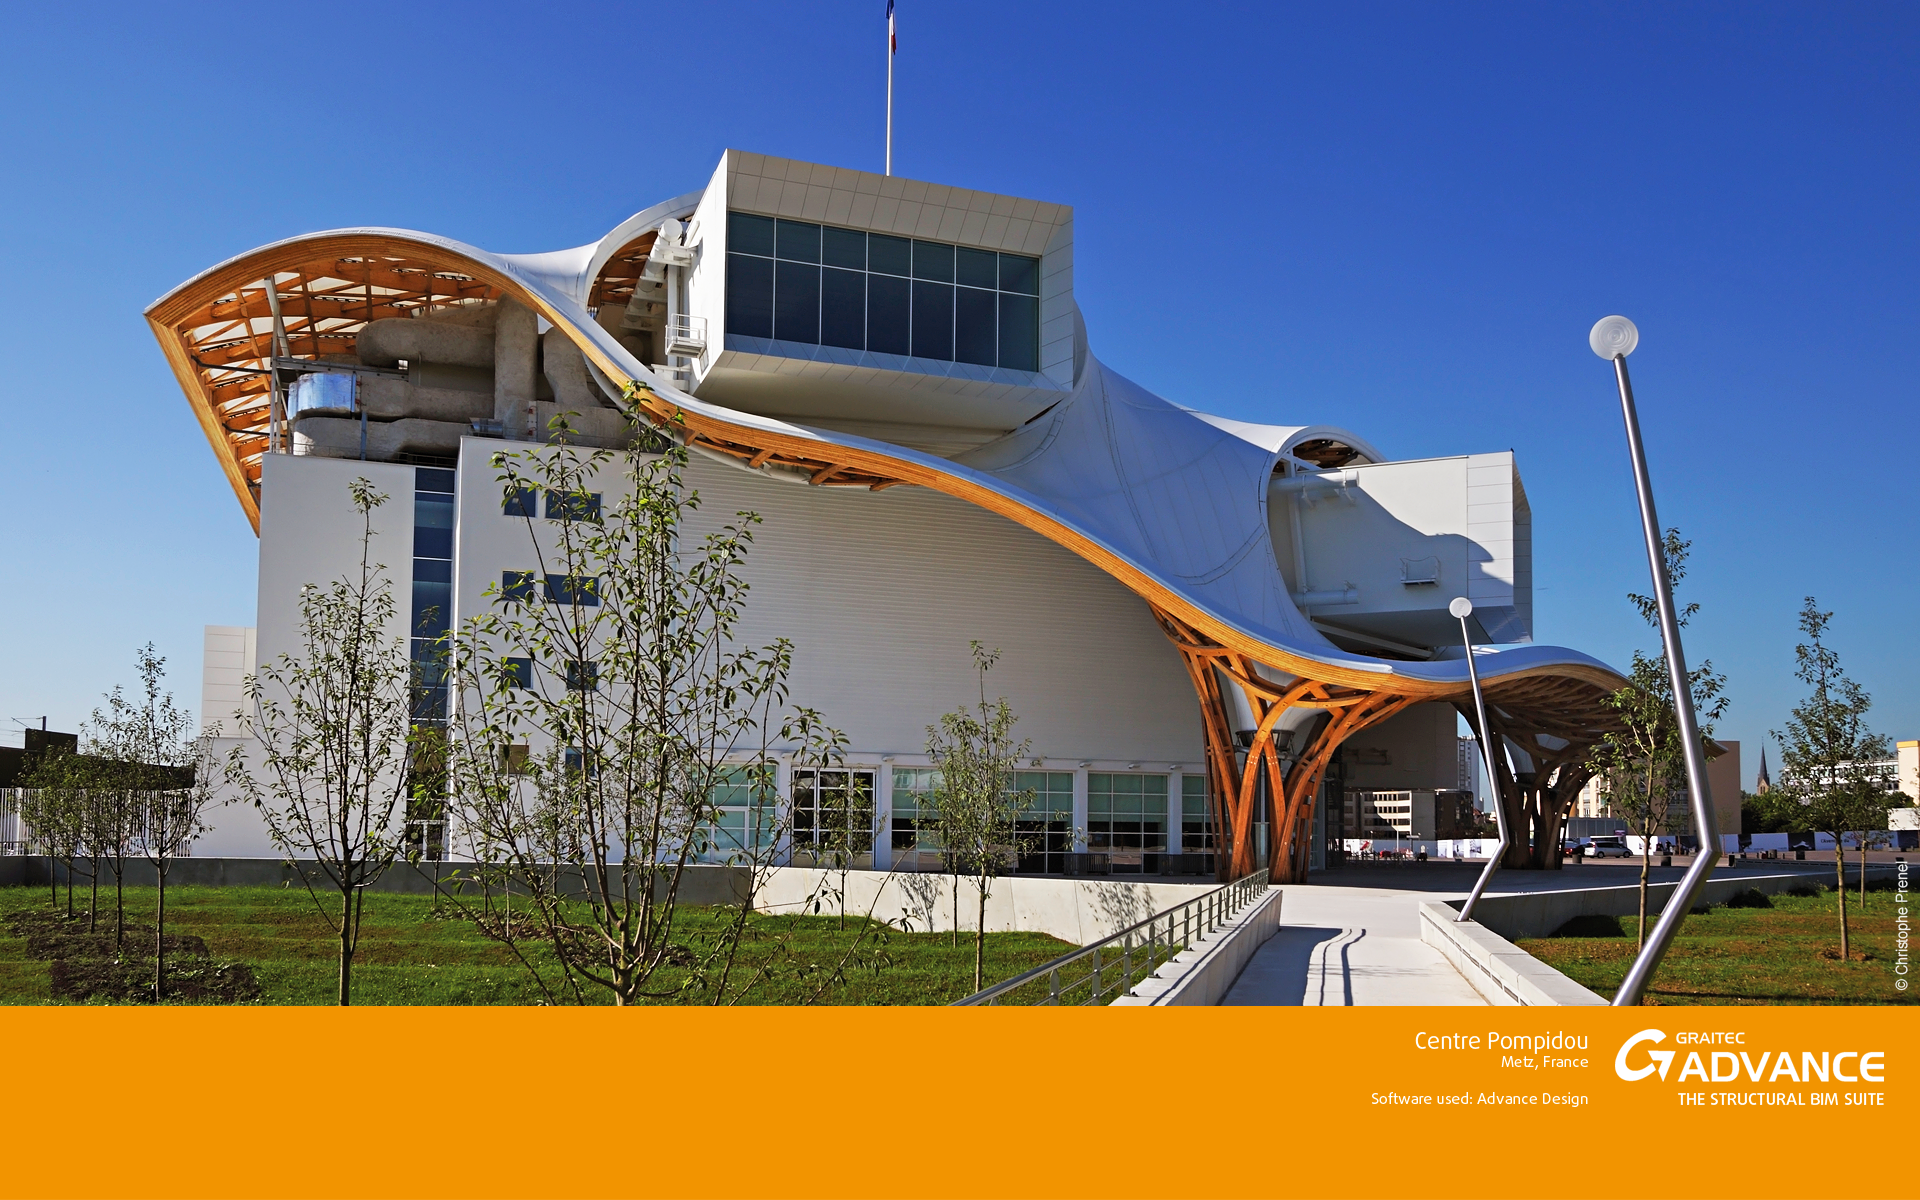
(1204, 972)
(1500, 971)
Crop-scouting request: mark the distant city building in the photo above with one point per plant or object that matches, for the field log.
(1764, 783)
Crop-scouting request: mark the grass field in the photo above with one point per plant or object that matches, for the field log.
(413, 953)
(1780, 950)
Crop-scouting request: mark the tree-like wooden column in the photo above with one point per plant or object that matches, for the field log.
(1292, 777)
(1557, 738)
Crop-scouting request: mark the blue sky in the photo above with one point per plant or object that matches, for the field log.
(1397, 218)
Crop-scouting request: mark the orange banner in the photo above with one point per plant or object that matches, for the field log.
(1428, 1102)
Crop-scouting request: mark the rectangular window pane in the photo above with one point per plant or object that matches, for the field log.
(889, 315)
(844, 248)
(796, 303)
(1018, 273)
(973, 322)
(583, 590)
(749, 296)
(932, 319)
(573, 506)
(974, 268)
(748, 234)
(517, 585)
(432, 597)
(798, 241)
(583, 676)
(432, 479)
(933, 260)
(843, 308)
(889, 255)
(518, 672)
(521, 502)
(1019, 332)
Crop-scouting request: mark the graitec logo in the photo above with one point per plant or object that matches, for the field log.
(1660, 1060)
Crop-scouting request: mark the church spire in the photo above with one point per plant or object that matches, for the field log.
(1763, 784)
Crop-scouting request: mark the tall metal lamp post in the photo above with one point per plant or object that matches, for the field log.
(1613, 338)
(1463, 608)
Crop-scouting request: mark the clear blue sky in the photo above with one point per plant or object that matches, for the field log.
(1397, 218)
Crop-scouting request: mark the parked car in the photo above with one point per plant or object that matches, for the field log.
(1608, 846)
(1574, 848)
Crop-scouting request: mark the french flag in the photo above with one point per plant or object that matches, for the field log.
(893, 42)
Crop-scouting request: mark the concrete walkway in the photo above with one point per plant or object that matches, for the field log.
(1353, 935)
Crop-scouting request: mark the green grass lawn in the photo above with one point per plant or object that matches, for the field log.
(1785, 952)
(411, 952)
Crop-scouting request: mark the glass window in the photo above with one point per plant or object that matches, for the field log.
(518, 586)
(797, 241)
(796, 303)
(1196, 816)
(975, 268)
(1127, 820)
(521, 502)
(433, 525)
(912, 788)
(583, 677)
(843, 308)
(1018, 273)
(433, 479)
(573, 506)
(432, 597)
(744, 823)
(1019, 332)
(748, 234)
(973, 326)
(833, 809)
(778, 287)
(889, 255)
(844, 248)
(933, 260)
(583, 590)
(932, 320)
(518, 673)
(1045, 830)
(889, 315)
(749, 296)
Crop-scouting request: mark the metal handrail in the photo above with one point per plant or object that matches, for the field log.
(1143, 948)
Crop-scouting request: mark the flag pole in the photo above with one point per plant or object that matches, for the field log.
(890, 48)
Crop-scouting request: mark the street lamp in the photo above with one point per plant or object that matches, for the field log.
(1462, 608)
(1614, 338)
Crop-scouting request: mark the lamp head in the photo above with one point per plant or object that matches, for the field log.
(1461, 607)
(1613, 337)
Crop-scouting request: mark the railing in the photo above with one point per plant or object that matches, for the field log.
(686, 334)
(1112, 966)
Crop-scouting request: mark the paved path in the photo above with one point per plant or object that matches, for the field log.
(1353, 936)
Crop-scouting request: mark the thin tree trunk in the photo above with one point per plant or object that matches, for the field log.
(70, 889)
(93, 902)
(160, 941)
(346, 947)
(1646, 863)
(1863, 872)
(120, 908)
(980, 940)
(1840, 890)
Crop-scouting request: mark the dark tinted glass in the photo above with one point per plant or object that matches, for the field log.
(583, 590)
(932, 318)
(573, 506)
(1019, 332)
(844, 248)
(432, 543)
(583, 676)
(432, 596)
(796, 303)
(932, 260)
(521, 502)
(1019, 273)
(432, 479)
(974, 268)
(889, 305)
(973, 326)
(843, 308)
(429, 704)
(750, 235)
(889, 255)
(749, 296)
(517, 585)
(433, 524)
(798, 241)
(519, 673)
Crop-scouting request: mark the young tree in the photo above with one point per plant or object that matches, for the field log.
(1642, 767)
(332, 724)
(1824, 747)
(53, 805)
(977, 810)
(174, 816)
(607, 709)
